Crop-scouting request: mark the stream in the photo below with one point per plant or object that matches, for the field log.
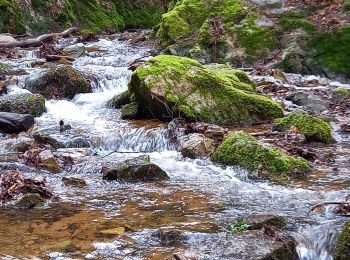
(200, 200)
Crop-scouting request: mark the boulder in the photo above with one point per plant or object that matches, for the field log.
(45, 138)
(243, 150)
(167, 86)
(130, 111)
(136, 170)
(215, 132)
(3, 87)
(343, 244)
(310, 102)
(59, 82)
(49, 162)
(33, 104)
(12, 123)
(196, 146)
(313, 128)
(4, 39)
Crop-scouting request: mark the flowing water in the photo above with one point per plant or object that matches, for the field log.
(200, 200)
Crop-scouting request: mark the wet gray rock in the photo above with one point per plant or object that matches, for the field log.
(45, 138)
(33, 104)
(12, 123)
(78, 142)
(169, 237)
(310, 102)
(268, 3)
(60, 82)
(215, 132)
(21, 146)
(196, 146)
(49, 162)
(74, 51)
(138, 169)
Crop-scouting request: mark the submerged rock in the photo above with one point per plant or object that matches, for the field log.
(33, 104)
(258, 221)
(343, 244)
(167, 86)
(313, 128)
(242, 149)
(75, 182)
(60, 82)
(196, 146)
(12, 123)
(29, 201)
(78, 142)
(135, 170)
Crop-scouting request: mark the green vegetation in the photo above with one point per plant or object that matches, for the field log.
(241, 149)
(343, 244)
(11, 17)
(206, 93)
(238, 227)
(314, 128)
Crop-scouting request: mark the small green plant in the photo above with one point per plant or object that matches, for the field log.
(240, 226)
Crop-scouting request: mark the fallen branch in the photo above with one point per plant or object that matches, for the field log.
(38, 41)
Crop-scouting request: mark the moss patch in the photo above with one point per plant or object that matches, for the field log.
(23, 104)
(167, 86)
(314, 128)
(241, 149)
(343, 244)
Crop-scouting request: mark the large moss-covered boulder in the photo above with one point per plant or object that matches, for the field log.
(60, 82)
(167, 86)
(314, 128)
(343, 244)
(242, 149)
(33, 104)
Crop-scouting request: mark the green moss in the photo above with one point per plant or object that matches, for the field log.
(343, 244)
(130, 111)
(346, 6)
(314, 128)
(292, 20)
(243, 150)
(11, 17)
(339, 94)
(331, 50)
(206, 93)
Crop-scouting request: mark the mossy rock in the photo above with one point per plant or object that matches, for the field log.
(130, 111)
(167, 86)
(343, 244)
(33, 104)
(120, 100)
(30, 200)
(60, 82)
(314, 128)
(243, 150)
(339, 94)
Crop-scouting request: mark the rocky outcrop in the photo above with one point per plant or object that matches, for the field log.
(313, 128)
(167, 86)
(245, 151)
(60, 82)
(138, 169)
(12, 123)
(33, 104)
